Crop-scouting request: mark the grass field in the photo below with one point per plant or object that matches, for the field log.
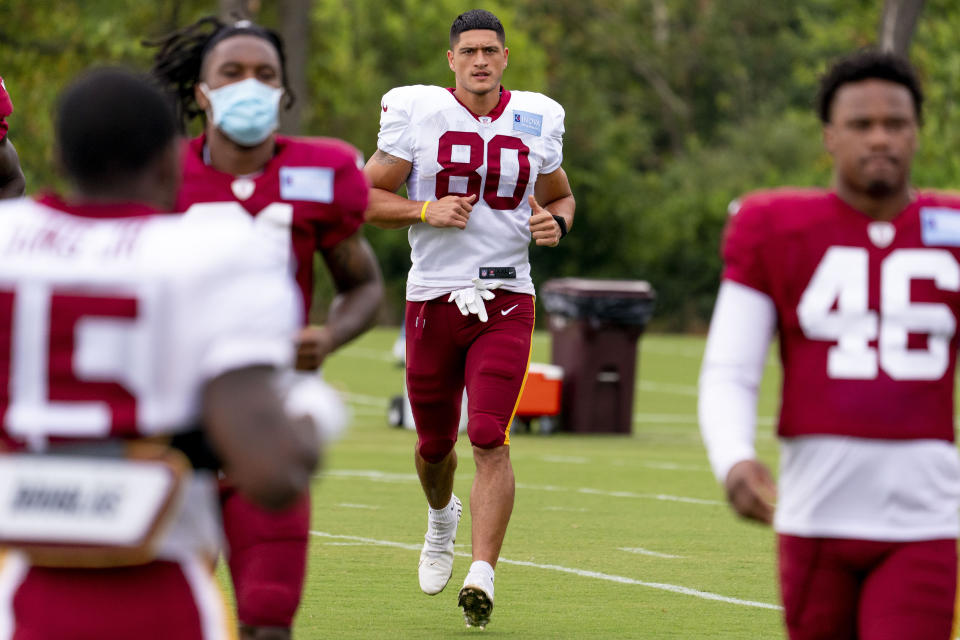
(611, 536)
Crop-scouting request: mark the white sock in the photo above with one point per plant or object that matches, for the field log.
(447, 514)
(482, 567)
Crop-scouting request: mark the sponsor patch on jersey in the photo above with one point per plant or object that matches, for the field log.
(527, 122)
(940, 226)
(313, 184)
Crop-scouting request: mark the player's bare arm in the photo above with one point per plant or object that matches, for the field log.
(359, 284)
(751, 491)
(269, 456)
(552, 197)
(387, 210)
(12, 182)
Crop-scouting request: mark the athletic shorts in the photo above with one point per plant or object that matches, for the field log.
(156, 601)
(447, 351)
(836, 589)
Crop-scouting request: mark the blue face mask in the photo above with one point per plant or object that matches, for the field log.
(246, 111)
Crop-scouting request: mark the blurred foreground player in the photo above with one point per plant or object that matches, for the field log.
(304, 195)
(862, 284)
(12, 183)
(122, 331)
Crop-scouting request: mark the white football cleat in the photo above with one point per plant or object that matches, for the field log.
(436, 557)
(476, 598)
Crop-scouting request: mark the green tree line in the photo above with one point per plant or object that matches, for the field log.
(674, 107)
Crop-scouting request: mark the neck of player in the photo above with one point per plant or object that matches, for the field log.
(229, 157)
(479, 103)
(882, 207)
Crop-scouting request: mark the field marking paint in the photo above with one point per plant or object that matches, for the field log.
(353, 505)
(662, 586)
(376, 476)
(667, 387)
(368, 354)
(381, 476)
(567, 509)
(364, 399)
(566, 459)
(673, 466)
(646, 552)
(648, 496)
(382, 402)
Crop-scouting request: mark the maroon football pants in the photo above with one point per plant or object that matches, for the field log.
(267, 554)
(447, 351)
(156, 601)
(836, 589)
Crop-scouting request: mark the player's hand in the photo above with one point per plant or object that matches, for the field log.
(314, 344)
(543, 228)
(751, 491)
(470, 300)
(450, 211)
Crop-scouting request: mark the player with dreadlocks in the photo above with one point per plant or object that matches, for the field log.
(309, 196)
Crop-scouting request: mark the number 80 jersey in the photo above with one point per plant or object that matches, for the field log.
(867, 310)
(496, 157)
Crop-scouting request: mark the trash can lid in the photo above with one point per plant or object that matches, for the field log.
(600, 288)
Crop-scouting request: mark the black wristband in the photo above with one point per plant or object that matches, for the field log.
(563, 224)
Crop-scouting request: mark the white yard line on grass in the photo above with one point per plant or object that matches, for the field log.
(353, 505)
(367, 354)
(646, 552)
(360, 398)
(380, 476)
(667, 387)
(673, 588)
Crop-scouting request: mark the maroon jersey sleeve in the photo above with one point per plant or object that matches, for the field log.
(350, 193)
(6, 108)
(744, 245)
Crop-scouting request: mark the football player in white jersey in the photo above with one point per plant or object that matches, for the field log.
(139, 353)
(483, 175)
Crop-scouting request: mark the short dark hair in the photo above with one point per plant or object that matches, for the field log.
(475, 19)
(866, 65)
(110, 124)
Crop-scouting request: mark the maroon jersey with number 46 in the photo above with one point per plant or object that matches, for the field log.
(867, 311)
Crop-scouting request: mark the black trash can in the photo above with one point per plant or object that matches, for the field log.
(594, 328)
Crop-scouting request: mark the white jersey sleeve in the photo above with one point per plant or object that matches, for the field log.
(741, 330)
(397, 133)
(553, 136)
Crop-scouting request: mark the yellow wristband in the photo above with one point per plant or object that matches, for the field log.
(423, 212)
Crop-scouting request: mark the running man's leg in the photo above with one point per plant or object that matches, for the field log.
(435, 366)
(495, 373)
(267, 555)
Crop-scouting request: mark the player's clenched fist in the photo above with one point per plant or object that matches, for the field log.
(449, 211)
(751, 491)
(543, 228)
(314, 344)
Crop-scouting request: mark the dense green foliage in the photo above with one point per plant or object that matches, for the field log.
(674, 107)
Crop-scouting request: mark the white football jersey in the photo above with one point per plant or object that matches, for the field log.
(496, 157)
(109, 326)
